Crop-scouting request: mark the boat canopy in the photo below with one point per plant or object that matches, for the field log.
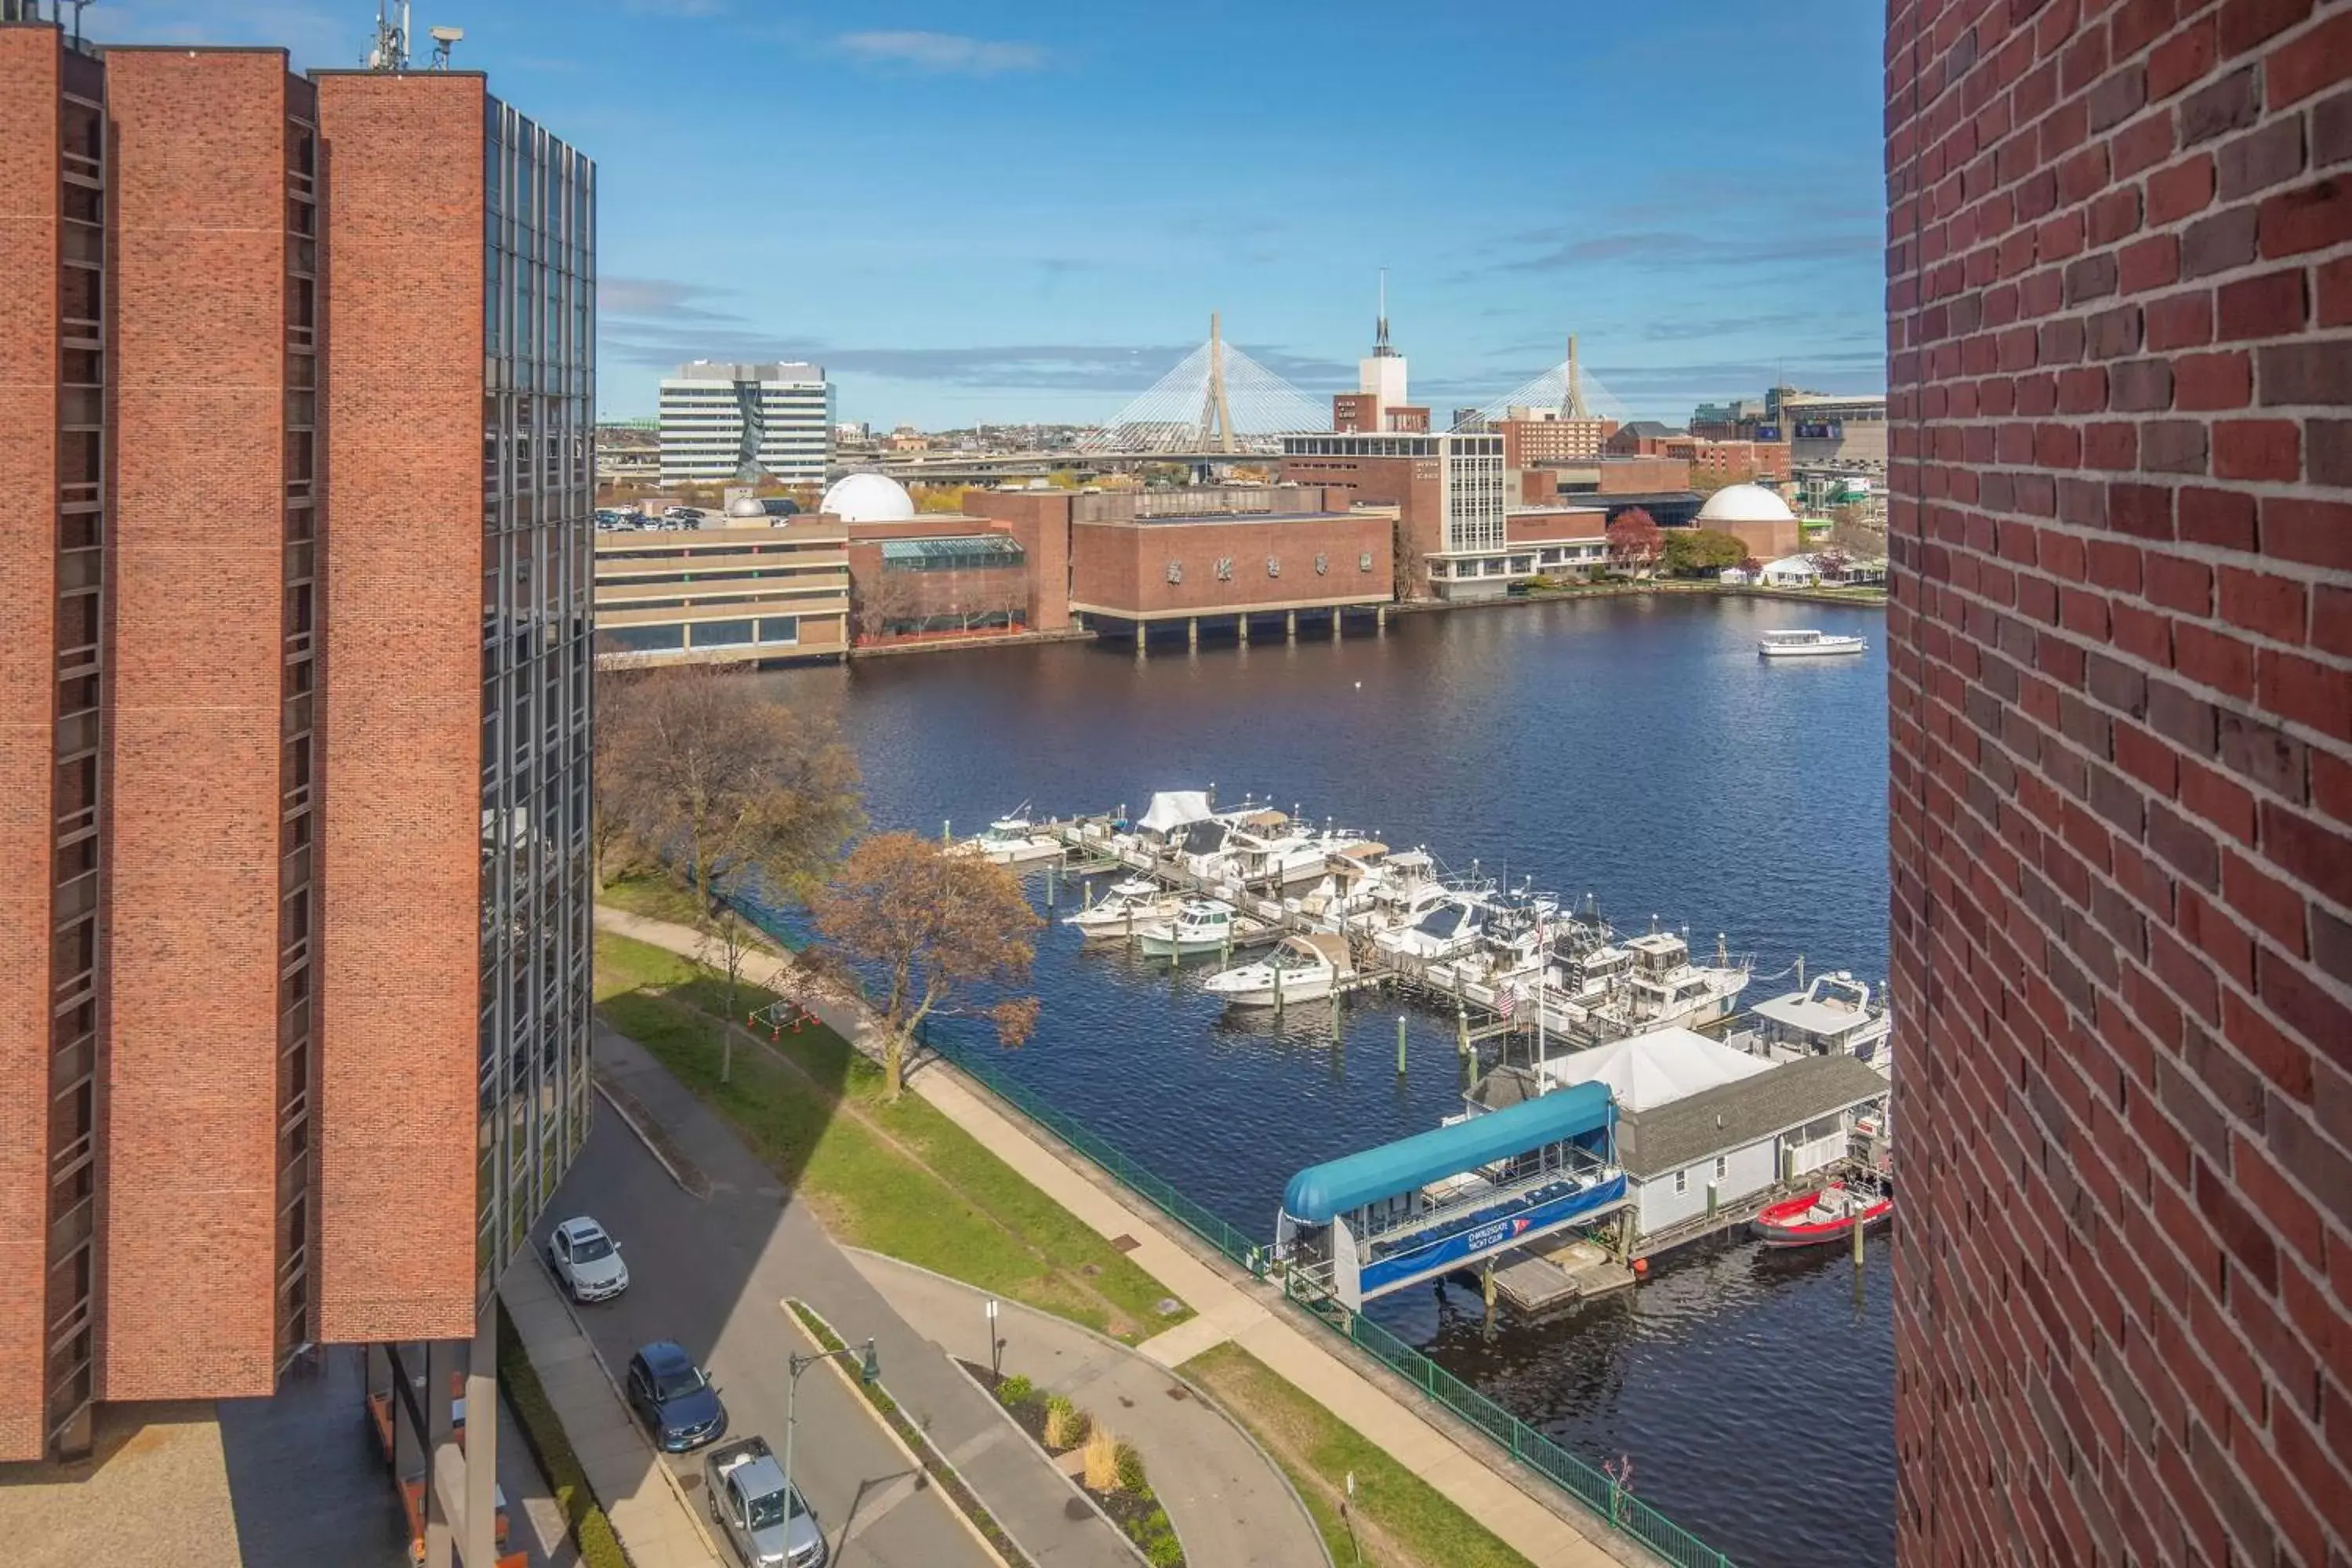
(1321, 1193)
(1172, 809)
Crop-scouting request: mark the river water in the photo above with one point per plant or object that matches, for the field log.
(1635, 748)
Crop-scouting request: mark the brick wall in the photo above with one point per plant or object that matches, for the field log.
(198, 567)
(402, 731)
(2120, 297)
(28, 414)
(1122, 568)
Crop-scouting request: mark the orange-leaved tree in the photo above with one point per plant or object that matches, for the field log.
(938, 922)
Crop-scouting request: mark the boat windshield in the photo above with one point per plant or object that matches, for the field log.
(1445, 921)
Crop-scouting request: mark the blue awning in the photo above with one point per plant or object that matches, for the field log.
(1320, 1192)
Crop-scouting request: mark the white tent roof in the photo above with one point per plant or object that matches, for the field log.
(1172, 809)
(1646, 1072)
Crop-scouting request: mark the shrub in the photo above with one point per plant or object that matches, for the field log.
(1164, 1552)
(1102, 1462)
(1130, 1471)
(1014, 1391)
(1065, 1424)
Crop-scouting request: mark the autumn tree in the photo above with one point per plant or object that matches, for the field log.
(938, 924)
(879, 603)
(1634, 538)
(716, 782)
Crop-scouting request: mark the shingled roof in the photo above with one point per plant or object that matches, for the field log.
(1717, 1121)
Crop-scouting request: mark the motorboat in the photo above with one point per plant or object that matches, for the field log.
(1662, 988)
(1299, 969)
(1835, 1013)
(1199, 925)
(1817, 1218)
(1013, 841)
(1451, 926)
(1403, 890)
(1124, 909)
(1805, 643)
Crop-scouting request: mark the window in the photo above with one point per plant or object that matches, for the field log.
(1722, 1167)
(1682, 1182)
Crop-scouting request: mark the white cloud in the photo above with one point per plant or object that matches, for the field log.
(946, 54)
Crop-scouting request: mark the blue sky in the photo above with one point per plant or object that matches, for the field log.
(1027, 211)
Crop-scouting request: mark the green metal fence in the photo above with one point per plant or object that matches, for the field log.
(1592, 1488)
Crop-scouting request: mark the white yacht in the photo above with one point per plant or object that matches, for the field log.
(1835, 1013)
(1299, 969)
(1807, 644)
(1405, 889)
(1199, 925)
(1662, 988)
(1013, 841)
(1127, 907)
(1451, 926)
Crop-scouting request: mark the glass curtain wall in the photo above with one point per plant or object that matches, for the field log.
(539, 382)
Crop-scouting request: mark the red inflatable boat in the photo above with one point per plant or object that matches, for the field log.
(1829, 1214)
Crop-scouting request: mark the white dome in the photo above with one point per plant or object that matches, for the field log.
(746, 506)
(1745, 503)
(868, 498)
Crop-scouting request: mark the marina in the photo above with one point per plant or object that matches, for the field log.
(1633, 750)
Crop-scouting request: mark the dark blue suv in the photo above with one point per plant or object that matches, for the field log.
(673, 1398)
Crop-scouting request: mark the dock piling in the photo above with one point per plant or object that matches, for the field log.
(1290, 626)
(1462, 1029)
(945, 837)
(1857, 1245)
(1399, 1045)
(1277, 990)
(1192, 633)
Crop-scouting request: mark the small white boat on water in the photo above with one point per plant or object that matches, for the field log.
(1201, 925)
(1126, 909)
(1835, 1013)
(1807, 644)
(1300, 969)
(1013, 841)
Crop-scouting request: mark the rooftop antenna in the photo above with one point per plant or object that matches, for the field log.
(1380, 349)
(1572, 404)
(443, 40)
(389, 50)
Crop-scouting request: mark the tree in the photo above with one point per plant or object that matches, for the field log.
(1634, 538)
(938, 498)
(938, 922)
(1831, 565)
(1690, 551)
(1852, 530)
(611, 834)
(721, 782)
(1753, 567)
(881, 602)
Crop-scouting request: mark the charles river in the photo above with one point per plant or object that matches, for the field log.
(1636, 749)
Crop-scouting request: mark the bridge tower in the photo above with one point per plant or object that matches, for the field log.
(1216, 422)
(1571, 403)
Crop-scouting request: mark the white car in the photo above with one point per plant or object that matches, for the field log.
(586, 1261)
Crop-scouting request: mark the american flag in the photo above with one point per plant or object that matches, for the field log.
(1510, 999)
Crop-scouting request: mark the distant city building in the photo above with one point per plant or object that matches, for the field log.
(1820, 428)
(1760, 519)
(628, 453)
(1448, 488)
(715, 417)
(740, 587)
(1533, 435)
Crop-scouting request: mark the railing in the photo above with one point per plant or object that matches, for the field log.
(1592, 1487)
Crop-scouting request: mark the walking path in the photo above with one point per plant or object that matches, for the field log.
(1232, 1505)
(1246, 1312)
(717, 1269)
(650, 1513)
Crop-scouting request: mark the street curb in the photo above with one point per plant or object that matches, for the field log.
(1040, 1450)
(652, 1148)
(1206, 1399)
(834, 1364)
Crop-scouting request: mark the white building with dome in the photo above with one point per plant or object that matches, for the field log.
(868, 498)
(1755, 516)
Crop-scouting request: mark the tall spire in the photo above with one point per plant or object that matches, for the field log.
(1380, 349)
(1571, 403)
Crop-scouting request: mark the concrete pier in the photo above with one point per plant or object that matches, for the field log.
(1290, 626)
(1192, 633)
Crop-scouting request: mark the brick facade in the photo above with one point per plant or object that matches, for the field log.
(29, 63)
(2120, 297)
(399, 986)
(1122, 569)
(198, 324)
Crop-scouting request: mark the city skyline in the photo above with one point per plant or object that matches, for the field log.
(1696, 195)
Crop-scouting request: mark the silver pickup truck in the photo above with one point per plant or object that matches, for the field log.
(746, 1488)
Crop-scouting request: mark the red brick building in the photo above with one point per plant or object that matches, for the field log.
(293, 717)
(1729, 461)
(2120, 295)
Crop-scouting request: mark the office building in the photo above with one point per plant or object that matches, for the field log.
(721, 422)
(1448, 489)
(2120, 690)
(742, 587)
(294, 717)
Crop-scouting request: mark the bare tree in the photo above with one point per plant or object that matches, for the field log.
(881, 602)
(939, 922)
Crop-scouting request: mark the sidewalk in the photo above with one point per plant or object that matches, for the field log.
(648, 1511)
(1245, 1314)
(1231, 1504)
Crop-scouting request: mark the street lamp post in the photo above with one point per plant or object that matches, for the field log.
(870, 1372)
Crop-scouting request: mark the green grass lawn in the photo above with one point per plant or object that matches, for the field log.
(898, 1179)
(655, 897)
(1401, 1521)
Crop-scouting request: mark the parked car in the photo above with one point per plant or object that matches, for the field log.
(673, 1398)
(586, 1260)
(746, 1486)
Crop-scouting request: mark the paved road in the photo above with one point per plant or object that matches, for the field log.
(718, 1267)
(1232, 1506)
(709, 1275)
